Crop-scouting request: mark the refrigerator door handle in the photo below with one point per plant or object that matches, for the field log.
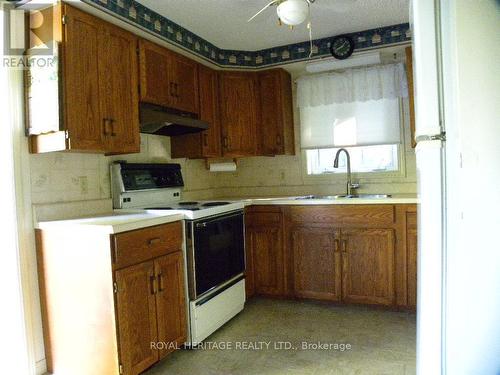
(435, 137)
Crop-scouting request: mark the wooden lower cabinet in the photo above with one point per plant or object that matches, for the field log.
(316, 264)
(151, 309)
(108, 299)
(411, 248)
(170, 302)
(265, 254)
(137, 318)
(368, 266)
(362, 254)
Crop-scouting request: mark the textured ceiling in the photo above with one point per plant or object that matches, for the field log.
(224, 22)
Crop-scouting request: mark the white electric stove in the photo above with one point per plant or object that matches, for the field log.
(214, 241)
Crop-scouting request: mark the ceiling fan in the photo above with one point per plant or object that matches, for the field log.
(290, 12)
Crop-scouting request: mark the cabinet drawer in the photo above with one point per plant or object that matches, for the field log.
(344, 214)
(144, 244)
(262, 218)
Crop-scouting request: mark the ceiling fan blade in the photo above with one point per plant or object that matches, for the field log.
(263, 9)
(338, 6)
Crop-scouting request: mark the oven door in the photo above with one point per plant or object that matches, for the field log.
(218, 251)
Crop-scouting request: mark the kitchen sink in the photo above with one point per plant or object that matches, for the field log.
(359, 196)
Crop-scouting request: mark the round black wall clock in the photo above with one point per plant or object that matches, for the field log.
(342, 47)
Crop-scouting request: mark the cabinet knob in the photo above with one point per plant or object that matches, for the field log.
(153, 241)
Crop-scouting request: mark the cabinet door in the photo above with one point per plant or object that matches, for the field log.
(183, 74)
(275, 128)
(368, 266)
(155, 87)
(136, 313)
(316, 263)
(171, 302)
(82, 113)
(411, 251)
(238, 103)
(209, 111)
(205, 144)
(118, 85)
(266, 247)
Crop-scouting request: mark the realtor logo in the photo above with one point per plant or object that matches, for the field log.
(28, 33)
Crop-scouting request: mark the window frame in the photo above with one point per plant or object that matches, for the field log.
(364, 177)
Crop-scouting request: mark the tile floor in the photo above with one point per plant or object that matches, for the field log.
(382, 342)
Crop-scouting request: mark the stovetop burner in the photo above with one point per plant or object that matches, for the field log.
(213, 204)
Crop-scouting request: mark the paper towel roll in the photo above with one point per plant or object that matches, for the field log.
(222, 167)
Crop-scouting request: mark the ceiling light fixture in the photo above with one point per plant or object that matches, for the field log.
(293, 12)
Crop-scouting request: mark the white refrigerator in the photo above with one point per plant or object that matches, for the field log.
(456, 70)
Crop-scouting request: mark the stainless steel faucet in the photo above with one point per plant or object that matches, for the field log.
(350, 185)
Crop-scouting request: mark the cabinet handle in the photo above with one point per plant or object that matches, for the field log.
(152, 279)
(153, 241)
(225, 142)
(105, 126)
(112, 123)
(344, 246)
(160, 282)
(172, 93)
(205, 139)
(176, 85)
(336, 245)
(278, 140)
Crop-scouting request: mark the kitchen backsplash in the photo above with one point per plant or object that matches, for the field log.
(66, 177)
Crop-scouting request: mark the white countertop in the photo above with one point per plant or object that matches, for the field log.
(293, 200)
(114, 222)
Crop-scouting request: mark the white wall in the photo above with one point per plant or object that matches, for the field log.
(473, 256)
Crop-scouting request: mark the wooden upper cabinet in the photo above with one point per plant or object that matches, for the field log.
(155, 87)
(170, 301)
(167, 79)
(238, 106)
(209, 111)
(99, 99)
(118, 90)
(316, 263)
(411, 93)
(82, 117)
(183, 74)
(205, 144)
(137, 318)
(275, 128)
(368, 265)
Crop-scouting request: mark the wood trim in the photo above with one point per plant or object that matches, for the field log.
(411, 93)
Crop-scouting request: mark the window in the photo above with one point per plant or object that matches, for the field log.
(356, 109)
(382, 158)
(370, 131)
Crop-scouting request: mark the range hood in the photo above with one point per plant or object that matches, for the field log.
(159, 120)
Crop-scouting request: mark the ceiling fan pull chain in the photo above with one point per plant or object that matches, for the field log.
(309, 26)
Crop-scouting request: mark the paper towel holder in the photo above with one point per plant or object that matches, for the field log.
(219, 160)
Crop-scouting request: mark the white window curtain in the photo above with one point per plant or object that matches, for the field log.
(353, 85)
(357, 107)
